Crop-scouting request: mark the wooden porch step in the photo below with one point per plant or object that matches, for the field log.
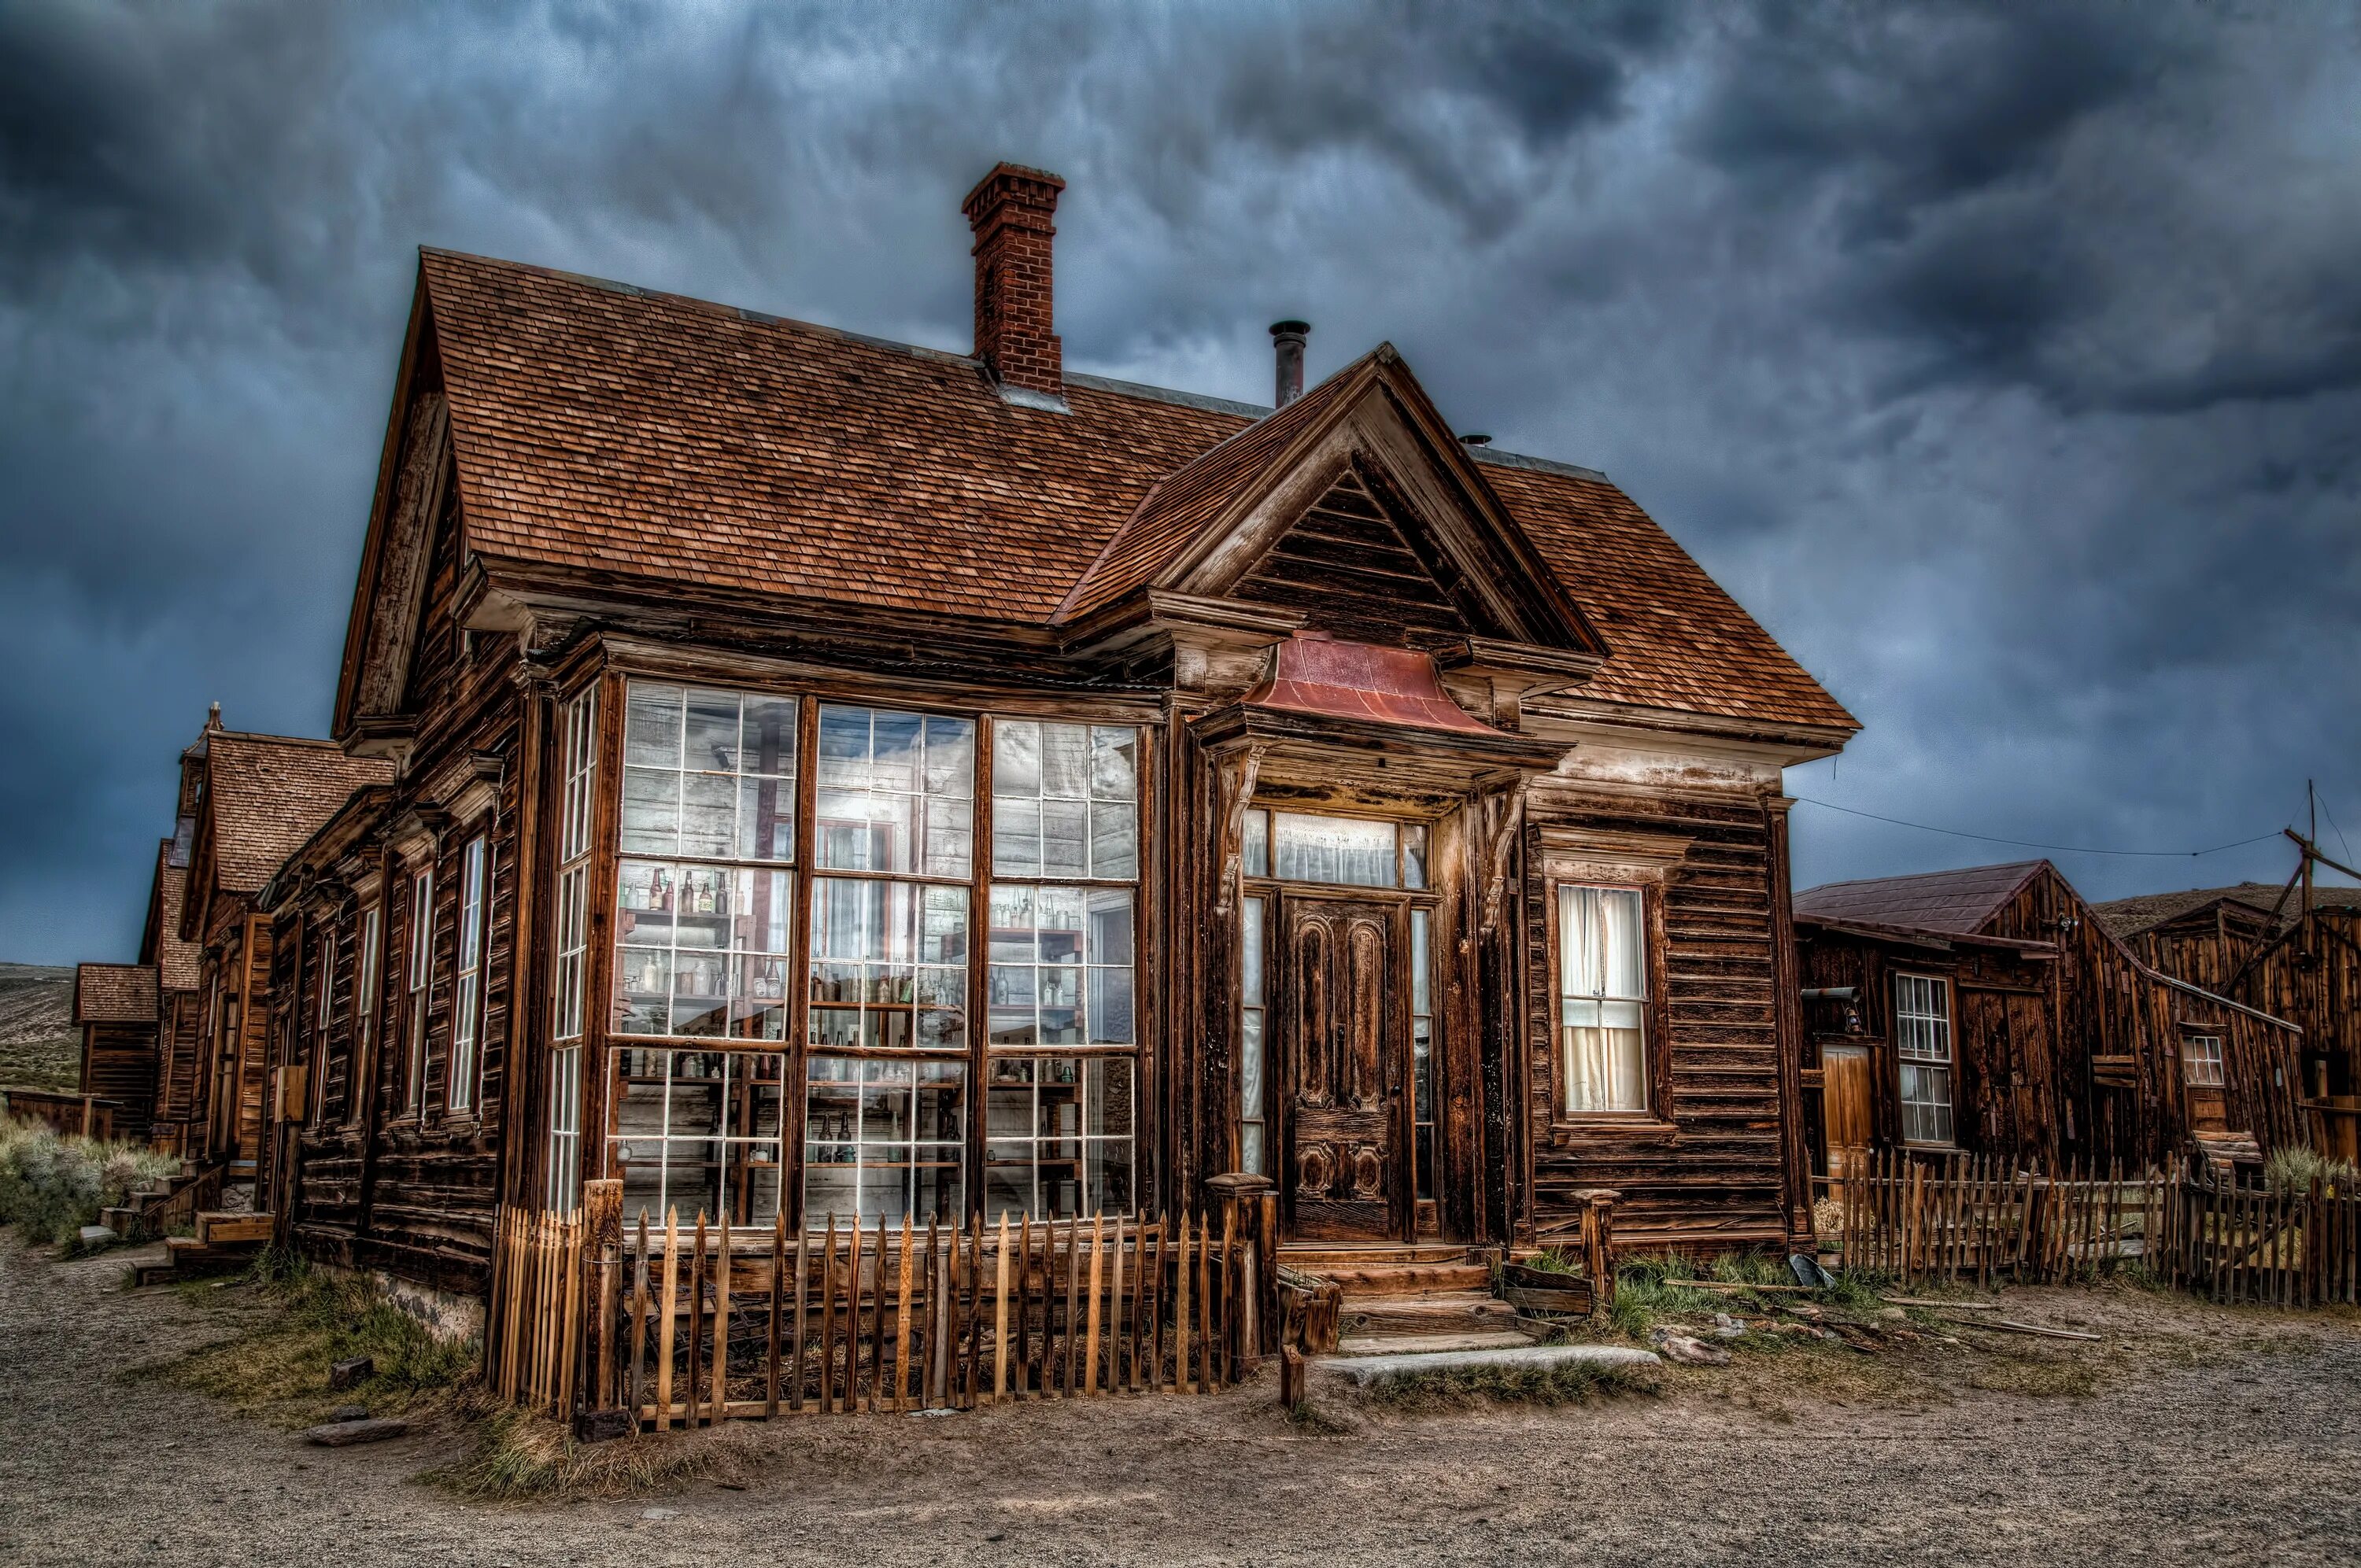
(1408, 1279)
(1425, 1344)
(1317, 1258)
(192, 1259)
(218, 1228)
(1453, 1313)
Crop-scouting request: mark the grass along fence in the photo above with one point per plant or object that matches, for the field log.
(1980, 1220)
(694, 1321)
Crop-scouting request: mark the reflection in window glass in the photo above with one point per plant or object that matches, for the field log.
(1058, 1136)
(1065, 800)
(1258, 844)
(888, 965)
(701, 950)
(467, 981)
(1351, 851)
(895, 793)
(1602, 999)
(708, 773)
(697, 1131)
(884, 1136)
(1253, 1124)
(1062, 967)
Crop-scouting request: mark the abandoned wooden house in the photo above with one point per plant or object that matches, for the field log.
(178, 964)
(248, 800)
(2293, 953)
(1990, 1010)
(824, 777)
(114, 1007)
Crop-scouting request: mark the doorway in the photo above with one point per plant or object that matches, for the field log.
(1846, 1120)
(1342, 1060)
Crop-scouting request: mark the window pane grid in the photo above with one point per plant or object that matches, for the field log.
(1602, 999)
(887, 966)
(884, 1137)
(1060, 970)
(466, 993)
(1922, 1039)
(709, 775)
(2200, 1057)
(895, 793)
(580, 753)
(702, 950)
(697, 1132)
(422, 974)
(1065, 800)
(1253, 1115)
(1058, 1136)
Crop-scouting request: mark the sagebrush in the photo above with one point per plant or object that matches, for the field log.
(52, 1185)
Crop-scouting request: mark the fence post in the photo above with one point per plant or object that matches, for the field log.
(602, 1245)
(1598, 1242)
(1246, 1198)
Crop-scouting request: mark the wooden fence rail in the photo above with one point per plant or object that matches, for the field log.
(692, 1321)
(1980, 1220)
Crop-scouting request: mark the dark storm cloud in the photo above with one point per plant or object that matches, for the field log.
(2005, 360)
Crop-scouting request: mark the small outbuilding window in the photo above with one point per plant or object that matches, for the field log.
(2200, 1060)
(1922, 1037)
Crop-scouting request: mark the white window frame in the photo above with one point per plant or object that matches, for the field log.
(366, 982)
(1925, 1056)
(421, 969)
(468, 978)
(1577, 1100)
(2204, 1068)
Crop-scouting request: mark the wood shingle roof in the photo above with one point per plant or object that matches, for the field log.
(608, 430)
(267, 793)
(1957, 902)
(114, 994)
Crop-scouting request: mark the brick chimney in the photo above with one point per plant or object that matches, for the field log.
(1010, 211)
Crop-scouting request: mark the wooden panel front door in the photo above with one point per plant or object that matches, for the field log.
(1846, 1118)
(1341, 1054)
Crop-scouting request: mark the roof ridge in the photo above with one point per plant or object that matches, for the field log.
(1914, 876)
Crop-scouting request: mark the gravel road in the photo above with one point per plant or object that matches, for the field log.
(2214, 1436)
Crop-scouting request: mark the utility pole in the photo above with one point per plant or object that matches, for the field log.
(2311, 837)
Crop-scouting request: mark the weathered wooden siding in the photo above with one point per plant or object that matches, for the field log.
(1705, 1170)
(119, 1063)
(2309, 975)
(2004, 1084)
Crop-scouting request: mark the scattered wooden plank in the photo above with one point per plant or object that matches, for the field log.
(2009, 1326)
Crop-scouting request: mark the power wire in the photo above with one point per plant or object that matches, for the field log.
(2054, 848)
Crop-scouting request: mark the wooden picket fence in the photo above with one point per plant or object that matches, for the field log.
(693, 1321)
(1982, 1220)
(2243, 1245)
(533, 1330)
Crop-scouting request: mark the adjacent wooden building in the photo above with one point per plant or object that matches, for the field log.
(824, 776)
(249, 800)
(114, 1008)
(2257, 943)
(1990, 1010)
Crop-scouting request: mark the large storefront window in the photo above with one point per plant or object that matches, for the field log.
(711, 946)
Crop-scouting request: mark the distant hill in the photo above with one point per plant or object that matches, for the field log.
(39, 1045)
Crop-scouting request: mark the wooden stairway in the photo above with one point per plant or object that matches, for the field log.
(162, 1206)
(1410, 1298)
(225, 1240)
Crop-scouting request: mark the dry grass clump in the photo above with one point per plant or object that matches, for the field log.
(1563, 1383)
(279, 1370)
(520, 1457)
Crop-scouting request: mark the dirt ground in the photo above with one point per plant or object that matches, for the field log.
(2187, 1434)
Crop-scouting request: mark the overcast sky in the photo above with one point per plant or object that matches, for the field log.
(2004, 360)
